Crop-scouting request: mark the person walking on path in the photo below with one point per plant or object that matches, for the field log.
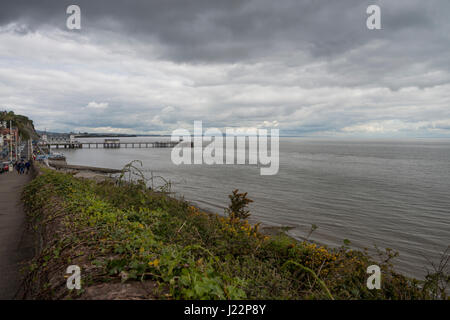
(27, 166)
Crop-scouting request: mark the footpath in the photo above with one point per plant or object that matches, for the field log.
(16, 246)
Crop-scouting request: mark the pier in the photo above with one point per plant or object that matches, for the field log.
(108, 144)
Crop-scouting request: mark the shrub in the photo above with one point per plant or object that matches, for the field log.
(238, 206)
(129, 233)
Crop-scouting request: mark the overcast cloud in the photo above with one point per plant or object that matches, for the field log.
(308, 67)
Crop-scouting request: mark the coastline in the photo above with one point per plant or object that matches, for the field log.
(129, 236)
(99, 174)
(295, 232)
(350, 190)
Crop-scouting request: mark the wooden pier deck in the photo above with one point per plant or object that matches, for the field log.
(110, 145)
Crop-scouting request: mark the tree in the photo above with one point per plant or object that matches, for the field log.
(22, 123)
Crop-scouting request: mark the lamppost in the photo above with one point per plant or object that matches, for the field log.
(15, 143)
(10, 141)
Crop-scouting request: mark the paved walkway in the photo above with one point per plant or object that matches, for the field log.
(15, 241)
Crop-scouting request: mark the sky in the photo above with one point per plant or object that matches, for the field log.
(305, 67)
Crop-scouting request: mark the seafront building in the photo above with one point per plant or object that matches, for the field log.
(8, 141)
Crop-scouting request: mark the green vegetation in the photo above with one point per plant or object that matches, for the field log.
(238, 205)
(25, 125)
(131, 234)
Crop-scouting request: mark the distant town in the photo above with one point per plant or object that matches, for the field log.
(59, 135)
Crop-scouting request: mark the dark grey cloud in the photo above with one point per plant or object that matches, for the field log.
(215, 30)
(312, 65)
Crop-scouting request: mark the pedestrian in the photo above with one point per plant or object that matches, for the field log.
(17, 167)
(21, 167)
(27, 166)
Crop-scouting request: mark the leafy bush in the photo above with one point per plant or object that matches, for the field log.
(129, 233)
(238, 206)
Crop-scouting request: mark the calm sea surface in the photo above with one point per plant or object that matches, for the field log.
(387, 193)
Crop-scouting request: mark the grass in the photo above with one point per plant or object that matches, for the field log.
(134, 235)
